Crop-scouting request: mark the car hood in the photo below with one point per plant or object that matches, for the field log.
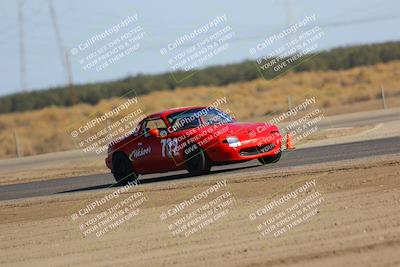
(240, 129)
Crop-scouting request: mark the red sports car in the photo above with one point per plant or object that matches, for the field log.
(191, 138)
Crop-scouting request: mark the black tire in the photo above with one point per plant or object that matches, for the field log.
(270, 159)
(122, 169)
(197, 162)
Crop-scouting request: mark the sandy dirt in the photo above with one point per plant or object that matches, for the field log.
(54, 170)
(356, 224)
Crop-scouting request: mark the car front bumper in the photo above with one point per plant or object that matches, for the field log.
(248, 150)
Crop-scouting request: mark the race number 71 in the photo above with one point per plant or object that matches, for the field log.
(169, 147)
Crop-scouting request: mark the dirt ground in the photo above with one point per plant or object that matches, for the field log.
(356, 223)
(54, 170)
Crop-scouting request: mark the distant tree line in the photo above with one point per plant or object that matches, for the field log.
(335, 59)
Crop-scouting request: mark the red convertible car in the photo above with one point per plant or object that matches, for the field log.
(191, 138)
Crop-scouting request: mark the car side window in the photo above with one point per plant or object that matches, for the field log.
(136, 130)
(157, 123)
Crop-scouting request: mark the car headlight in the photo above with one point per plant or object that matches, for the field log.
(233, 141)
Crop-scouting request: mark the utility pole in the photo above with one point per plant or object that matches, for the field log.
(383, 97)
(289, 13)
(289, 101)
(21, 45)
(289, 18)
(16, 142)
(63, 53)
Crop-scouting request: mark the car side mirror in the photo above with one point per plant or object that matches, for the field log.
(154, 132)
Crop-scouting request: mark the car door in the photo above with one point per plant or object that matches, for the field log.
(147, 153)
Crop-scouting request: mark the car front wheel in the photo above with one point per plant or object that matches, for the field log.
(197, 162)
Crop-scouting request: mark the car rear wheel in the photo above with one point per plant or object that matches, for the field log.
(122, 169)
(270, 159)
(197, 162)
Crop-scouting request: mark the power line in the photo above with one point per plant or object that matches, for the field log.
(63, 53)
(21, 45)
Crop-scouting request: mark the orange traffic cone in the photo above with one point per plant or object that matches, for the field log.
(289, 142)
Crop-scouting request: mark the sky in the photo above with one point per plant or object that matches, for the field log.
(344, 22)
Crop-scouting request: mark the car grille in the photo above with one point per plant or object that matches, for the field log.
(250, 151)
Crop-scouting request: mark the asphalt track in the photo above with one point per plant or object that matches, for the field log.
(296, 157)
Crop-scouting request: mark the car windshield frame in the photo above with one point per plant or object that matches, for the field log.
(192, 112)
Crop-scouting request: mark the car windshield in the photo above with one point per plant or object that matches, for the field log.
(197, 117)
